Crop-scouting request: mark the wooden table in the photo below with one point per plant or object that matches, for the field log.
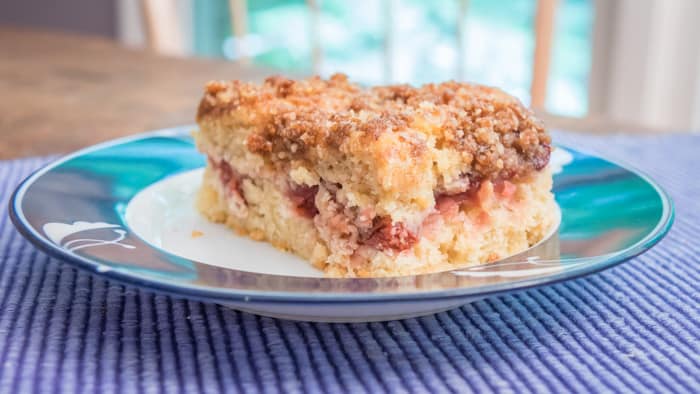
(60, 92)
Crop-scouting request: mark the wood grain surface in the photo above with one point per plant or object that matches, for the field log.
(61, 92)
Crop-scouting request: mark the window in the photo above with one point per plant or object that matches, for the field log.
(421, 40)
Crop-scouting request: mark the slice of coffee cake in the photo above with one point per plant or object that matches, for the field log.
(391, 180)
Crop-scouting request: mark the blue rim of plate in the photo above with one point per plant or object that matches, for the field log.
(222, 284)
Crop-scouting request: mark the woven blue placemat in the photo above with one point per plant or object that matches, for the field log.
(633, 328)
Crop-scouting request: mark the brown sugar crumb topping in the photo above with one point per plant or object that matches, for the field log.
(497, 137)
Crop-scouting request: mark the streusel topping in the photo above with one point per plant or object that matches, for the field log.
(496, 136)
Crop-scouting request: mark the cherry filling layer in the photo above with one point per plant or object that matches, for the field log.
(303, 199)
(388, 235)
(365, 228)
(231, 179)
(347, 226)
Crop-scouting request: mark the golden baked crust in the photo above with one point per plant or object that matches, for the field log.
(494, 135)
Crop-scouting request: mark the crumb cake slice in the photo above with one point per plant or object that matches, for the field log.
(390, 180)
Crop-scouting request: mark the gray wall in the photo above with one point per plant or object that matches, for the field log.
(96, 17)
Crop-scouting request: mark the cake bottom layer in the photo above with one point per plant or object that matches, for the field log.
(495, 222)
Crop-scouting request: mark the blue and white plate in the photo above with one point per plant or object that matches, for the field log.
(124, 210)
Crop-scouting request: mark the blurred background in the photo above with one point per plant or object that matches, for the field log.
(404, 41)
(585, 65)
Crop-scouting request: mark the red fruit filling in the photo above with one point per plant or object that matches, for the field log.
(230, 178)
(387, 235)
(303, 198)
